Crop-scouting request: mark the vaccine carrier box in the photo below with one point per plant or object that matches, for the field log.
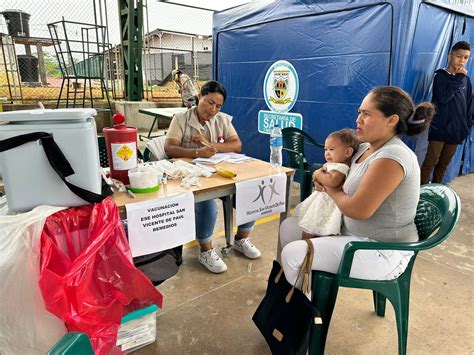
(29, 180)
(137, 329)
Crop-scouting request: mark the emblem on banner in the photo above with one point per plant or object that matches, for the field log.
(281, 87)
(280, 83)
(258, 198)
(272, 191)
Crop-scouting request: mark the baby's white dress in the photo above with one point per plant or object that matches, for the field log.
(318, 214)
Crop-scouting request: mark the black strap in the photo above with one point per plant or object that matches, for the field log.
(58, 162)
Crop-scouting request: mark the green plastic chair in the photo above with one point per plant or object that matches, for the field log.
(146, 155)
(294, 140)
(437, 214)
(72, 343)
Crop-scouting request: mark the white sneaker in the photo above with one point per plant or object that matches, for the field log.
(211, 261)
(246, 247)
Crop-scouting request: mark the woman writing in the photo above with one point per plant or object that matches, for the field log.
(379, 197)
(201, 132)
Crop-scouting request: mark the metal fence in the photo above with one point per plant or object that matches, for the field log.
(39, 64)
(158, 63)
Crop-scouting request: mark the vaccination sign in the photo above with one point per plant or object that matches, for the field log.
(280, 90)
(160, 224)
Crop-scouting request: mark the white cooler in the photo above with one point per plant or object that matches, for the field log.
(28, 177)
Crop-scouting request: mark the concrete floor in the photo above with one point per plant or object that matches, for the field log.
(205, 313)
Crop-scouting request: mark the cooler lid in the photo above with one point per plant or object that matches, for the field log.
(60, 114)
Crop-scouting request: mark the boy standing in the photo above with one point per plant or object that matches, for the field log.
(452, 96)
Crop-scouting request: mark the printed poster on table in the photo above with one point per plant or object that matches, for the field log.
(260, 198)
(160, 224)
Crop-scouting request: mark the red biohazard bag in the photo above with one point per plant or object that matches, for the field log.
(87, 276)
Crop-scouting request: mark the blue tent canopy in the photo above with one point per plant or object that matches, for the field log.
(340, 50)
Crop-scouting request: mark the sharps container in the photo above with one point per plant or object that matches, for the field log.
(122, 147)
(29, 178)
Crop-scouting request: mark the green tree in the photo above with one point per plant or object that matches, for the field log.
(51, 65)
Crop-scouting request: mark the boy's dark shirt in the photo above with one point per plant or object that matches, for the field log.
(452, 96)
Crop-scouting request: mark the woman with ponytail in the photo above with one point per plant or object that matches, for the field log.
(379, 197)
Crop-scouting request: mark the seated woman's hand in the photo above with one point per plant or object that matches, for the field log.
(197, 138)
(206, 152)
(331, 190)
(318, 186)
(316, 175)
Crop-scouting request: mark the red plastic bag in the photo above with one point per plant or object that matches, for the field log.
(87, 276)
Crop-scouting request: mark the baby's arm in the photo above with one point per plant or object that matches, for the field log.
(333, 178)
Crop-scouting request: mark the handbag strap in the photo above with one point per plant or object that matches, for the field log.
(305, 270)
(308, 266)
(58, 162)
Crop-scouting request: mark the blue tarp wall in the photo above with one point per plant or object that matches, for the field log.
(340, 50)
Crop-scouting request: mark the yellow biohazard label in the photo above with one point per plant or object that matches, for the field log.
(124, 155)
(124, 152)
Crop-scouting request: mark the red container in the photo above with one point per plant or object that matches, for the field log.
(122, 148)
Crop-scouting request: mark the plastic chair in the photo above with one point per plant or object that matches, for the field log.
(437, 214)
(72, 343)
(294, 140)
(146, 155)
(156, 147)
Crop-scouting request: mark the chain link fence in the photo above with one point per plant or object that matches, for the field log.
(159, 62)
(68, 53)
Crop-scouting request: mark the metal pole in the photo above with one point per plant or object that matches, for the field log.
(131, 24)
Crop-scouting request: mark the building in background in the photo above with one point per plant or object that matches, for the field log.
(167, 50)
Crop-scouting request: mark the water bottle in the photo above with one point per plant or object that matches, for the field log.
(276, 146)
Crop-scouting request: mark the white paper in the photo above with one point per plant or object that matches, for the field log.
(227, 157)
(215, 159)
(260, 198)
(160, 224)
(238, 160)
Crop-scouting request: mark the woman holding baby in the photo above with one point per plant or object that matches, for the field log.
(379, 196)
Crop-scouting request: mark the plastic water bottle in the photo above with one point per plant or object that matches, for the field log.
(276, 147)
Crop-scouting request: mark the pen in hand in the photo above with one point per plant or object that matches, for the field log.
(209, 146)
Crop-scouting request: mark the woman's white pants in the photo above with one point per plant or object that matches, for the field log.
(367, 264)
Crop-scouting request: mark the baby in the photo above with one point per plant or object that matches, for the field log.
(318, 215)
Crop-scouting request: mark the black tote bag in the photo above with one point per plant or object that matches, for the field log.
(285, 315)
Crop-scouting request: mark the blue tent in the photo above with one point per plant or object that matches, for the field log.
(340, 50)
